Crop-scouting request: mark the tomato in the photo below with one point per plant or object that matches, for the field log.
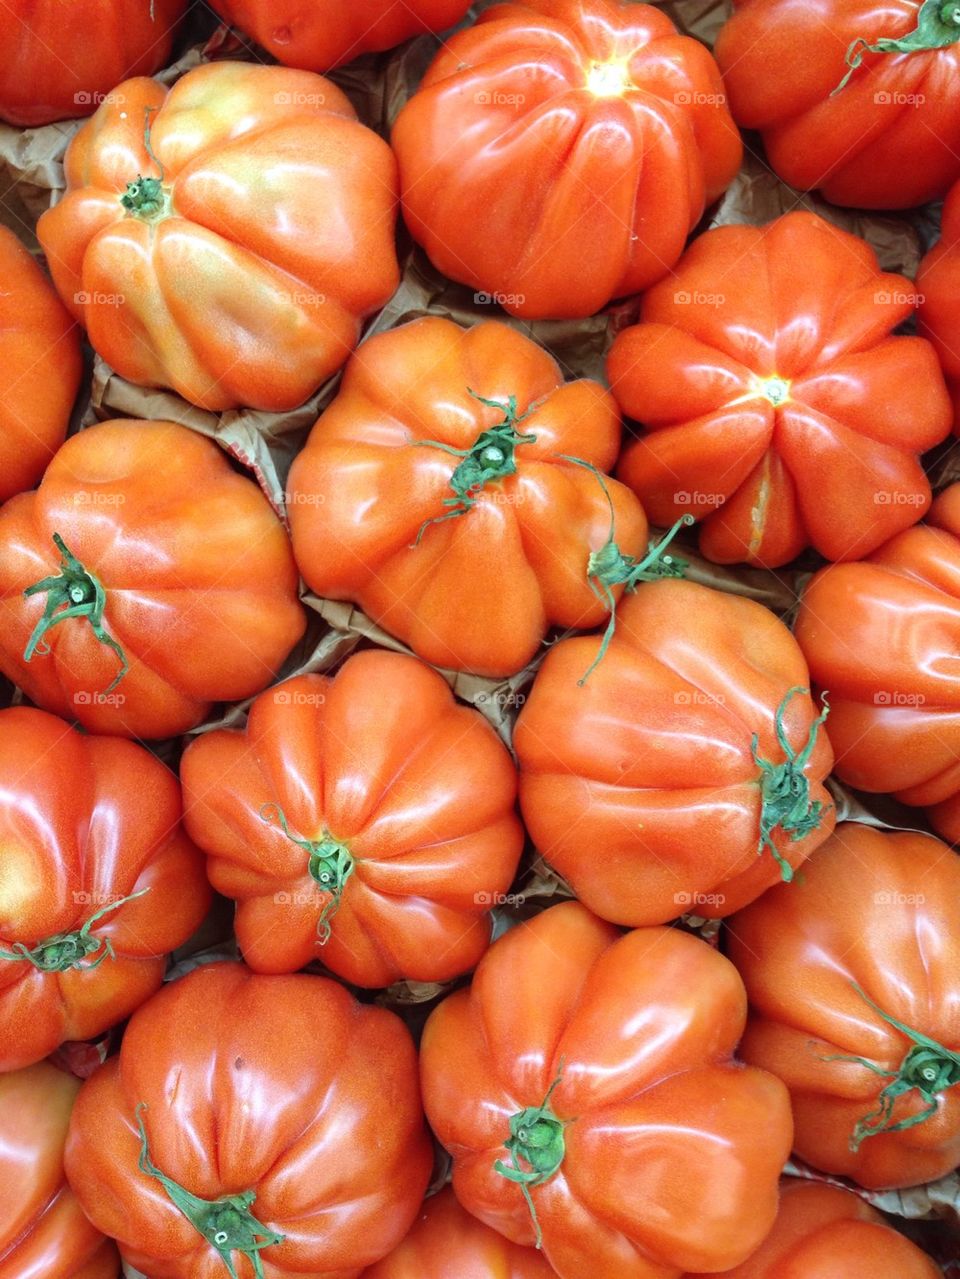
(367, 821)
(61, 61)
(778, 408)
(250, 1117)
(938, 285)
(559, 152)
(882, 636)
(40, 353)
(144, 563)
(585, 1088)
(439, 494)
(327, 33)
(98, 883)
(890, 137)
(853, 975)
(823, 1232)
(225, 237)
(686, 771)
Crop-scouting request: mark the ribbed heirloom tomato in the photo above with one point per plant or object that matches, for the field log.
(559, 152)
(367, 821)
(686, 771)
(777, 406)
(40, 354)
(853, 975)
(253, 1125)
(98, 882)
(225, 237)
(452, 491)
(585, 1086)
(143, 580)
(938, 284)
(890, 137)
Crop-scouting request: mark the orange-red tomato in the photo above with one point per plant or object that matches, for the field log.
(559, 152)
(778, 408)
(853, 975)
(327, 33)
(98, 883)
(890, 138)
(882, 637)
(367, 821)
(585, 1081)
(662, 784)
(250, 1116)
(225, 237)
(459, 523)
(938, 285)
(62, 60)
(40, 354)
(169, 564)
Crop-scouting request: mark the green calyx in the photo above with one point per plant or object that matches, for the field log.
(63, 951)
(227, 1224)
(785, 788)
(72, 593)
(938, 27)
(330, 865)
(147, 198)
(928, 1069)
(537, 1149)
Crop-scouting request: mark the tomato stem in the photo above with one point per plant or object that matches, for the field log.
(146, 198)
(330, 865)
(938, 27)
(64, 951)
(536, 1139)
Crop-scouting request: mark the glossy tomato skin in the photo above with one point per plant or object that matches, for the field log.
(782, 413)
(823, 1232)
(640, 787)
(40, 354)
(61, 61)
(672, 1151)
(889, 140)
(284, 1086)
(86, 822)
(880, 910)
(326, 33)
(381, 760)
(200, 583)
(590, 134)
(477, 592)
(938, 284)
(246, 280)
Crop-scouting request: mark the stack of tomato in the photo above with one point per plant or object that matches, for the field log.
(282, 989)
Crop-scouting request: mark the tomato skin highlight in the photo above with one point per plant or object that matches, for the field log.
(938, 284)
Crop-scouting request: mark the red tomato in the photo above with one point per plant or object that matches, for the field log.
(250, 1117)
(853, 975)
(40, 354)
(882, 636)
(823, 1232)
(327, 33)
(367, 821)
(890, 138)
(559, 152)
(438, 493)
(226, 237)
(172, 582)
(663, 783)
(98, 882)
(938, 285)
(61, 61)
(584, 1082)
(778, 408)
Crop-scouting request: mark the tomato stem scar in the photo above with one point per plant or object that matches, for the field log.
(330, 865)
(938, 27)
(536, 1139)
(65, 951)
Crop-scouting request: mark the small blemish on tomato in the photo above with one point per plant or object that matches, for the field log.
(282, 35)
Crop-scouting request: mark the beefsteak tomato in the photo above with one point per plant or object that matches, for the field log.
(40, 350)
(366, 820)
(252, 1125)
(889, 138)
(778, 408)
(144, 563)
(441, 491)
(853, 975)
(584, 1085)
(938, 285)
(98, 882)
(686, 772)
(559, 152)
(225, 237)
